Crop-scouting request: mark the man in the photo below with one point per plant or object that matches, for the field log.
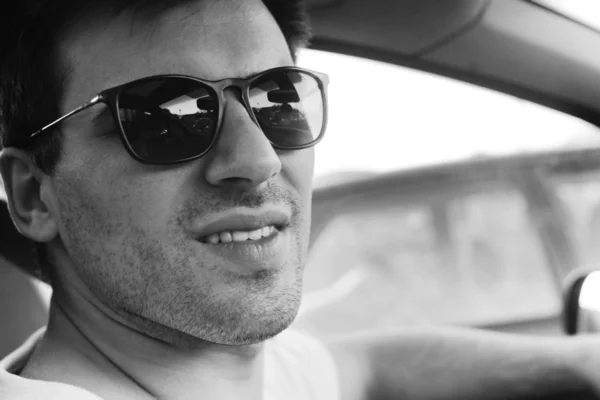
(172, 215)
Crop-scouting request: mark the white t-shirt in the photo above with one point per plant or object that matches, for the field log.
(297, 367)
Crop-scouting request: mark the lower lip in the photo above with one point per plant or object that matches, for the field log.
(259, 254)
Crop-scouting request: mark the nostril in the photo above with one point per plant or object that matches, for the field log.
(246, 170)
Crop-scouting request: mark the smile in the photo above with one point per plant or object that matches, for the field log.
(240, 236)
(248, 249)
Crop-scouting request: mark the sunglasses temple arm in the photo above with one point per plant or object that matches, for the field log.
(82, 107)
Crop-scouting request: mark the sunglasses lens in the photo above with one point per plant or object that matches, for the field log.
(168, 119)
(289, 106)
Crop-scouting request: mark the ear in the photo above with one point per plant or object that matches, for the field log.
(29, 192)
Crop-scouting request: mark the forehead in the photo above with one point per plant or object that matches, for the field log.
(206, 39)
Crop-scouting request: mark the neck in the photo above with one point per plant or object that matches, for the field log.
(88, 346)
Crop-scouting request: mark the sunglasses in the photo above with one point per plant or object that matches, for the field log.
(168, 119)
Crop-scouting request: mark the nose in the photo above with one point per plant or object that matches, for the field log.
(242, 155)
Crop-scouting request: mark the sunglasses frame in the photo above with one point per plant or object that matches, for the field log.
(110, 97)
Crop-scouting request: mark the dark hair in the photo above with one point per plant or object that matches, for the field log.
(32, 76)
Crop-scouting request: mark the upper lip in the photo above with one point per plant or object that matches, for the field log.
(242, 220)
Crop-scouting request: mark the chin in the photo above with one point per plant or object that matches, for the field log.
(243, 333)
(256, 329)
(237, 314)
(257, 323)
(266, 332)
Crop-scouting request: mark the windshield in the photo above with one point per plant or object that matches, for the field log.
(583, 11)
(386, 118)
(441, 202)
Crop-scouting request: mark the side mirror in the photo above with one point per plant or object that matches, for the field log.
(581, 313)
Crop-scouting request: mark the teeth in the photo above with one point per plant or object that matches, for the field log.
(213, 239)
(226, 237)
(239, 236)
(266, 231)
(255, 235)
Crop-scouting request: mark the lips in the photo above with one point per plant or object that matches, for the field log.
(241, 225)
(239, 252)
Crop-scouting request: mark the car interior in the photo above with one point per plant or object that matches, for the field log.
(541, 52)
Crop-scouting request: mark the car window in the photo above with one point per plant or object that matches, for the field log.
(358, 261)
(502, 265)
(471, 258)
(580, 196)
(474, 258)
(385, 118)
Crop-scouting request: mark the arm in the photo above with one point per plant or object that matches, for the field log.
(448, 363)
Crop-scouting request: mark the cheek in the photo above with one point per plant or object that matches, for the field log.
(115, 205)
(298, 167)
(297, 171)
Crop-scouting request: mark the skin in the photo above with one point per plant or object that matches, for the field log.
(133, 313)
(134, 291)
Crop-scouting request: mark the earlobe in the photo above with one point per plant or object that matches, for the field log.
(28, 191)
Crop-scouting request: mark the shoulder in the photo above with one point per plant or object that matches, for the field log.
(14, 387)
(298, 363)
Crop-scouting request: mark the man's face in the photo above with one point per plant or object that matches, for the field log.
(132, 231)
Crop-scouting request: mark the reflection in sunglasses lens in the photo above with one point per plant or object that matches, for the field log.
(168, 119)
(289, 107)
